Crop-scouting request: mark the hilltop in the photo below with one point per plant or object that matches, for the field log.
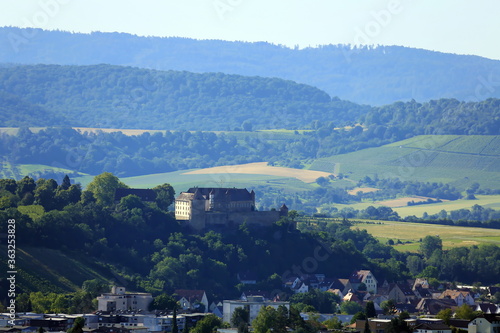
(371, 75)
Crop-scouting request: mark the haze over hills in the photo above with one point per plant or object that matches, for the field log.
(369, 75)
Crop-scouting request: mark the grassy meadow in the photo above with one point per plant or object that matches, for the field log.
(411, 233)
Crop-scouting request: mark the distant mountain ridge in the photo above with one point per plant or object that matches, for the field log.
(374, 76)
(108, 96)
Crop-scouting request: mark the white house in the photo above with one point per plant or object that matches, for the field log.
(366, 277)
(486, 323)
(192, 299)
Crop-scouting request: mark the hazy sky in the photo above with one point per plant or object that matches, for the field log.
(456, 26)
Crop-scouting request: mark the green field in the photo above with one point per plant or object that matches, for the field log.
(487, 201)
(18, 171)
(452, 236)
(454, 159)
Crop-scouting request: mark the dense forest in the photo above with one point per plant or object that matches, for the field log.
(106, 96)
(159, 255)
(372, 75)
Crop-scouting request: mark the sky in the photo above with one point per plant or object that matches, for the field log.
(452, 26)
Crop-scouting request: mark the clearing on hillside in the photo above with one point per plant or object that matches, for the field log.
(261, 168)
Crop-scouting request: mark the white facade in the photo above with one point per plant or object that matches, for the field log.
(482, 325)
(370, 282)
(119, 300)
(254, 304)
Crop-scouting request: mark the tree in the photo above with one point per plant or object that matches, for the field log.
(25, 186)
(388, 306)
(429, 272)
(430, 244)
(445, 315)
(207, 325)
(265, 320)
(465, 312)
(358, 316)
(350, 307)
(370, 310)
(397, 325)
(66, 183)
(163, 302)
(95, 287)
(77, 325)
(240, 316)
(165, 195)
(281, 320)
(103, 187)
(333, 323)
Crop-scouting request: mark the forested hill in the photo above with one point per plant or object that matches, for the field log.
(372, 76)
(107, 96)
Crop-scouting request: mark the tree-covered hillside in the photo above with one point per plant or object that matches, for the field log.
(107, 96)
(368, 75)
(156, 253)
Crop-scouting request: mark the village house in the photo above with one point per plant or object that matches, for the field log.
(366, 277)
(401, 293)
(460, 297)
(486, 323)
(194, 300)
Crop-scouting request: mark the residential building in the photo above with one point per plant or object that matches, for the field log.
(253, 304)
(486, 323)
(194, 300)
(120, 300)
(460, 297)
(401, 293)
(366, 277)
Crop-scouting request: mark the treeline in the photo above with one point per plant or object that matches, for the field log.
(392, 187)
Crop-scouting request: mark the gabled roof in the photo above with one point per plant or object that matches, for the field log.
(405, 289)
(454, 294)
(433, 306)
(487, 308)
(359, 276)
(423, 292)
(190, 295)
